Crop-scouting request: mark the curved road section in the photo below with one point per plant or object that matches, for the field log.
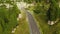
(33, 26)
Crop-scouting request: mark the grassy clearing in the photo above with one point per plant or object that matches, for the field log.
(42, 24)
(47, 29)
(23, 25)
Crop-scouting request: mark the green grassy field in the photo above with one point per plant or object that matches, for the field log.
(47, 29)
(23, 25)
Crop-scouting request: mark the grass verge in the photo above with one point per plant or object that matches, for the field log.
(23, 25)
(47, 29)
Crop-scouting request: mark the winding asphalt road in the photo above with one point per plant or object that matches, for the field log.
(33, 26)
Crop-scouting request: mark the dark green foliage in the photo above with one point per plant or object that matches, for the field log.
(59, 13)
(28, 1)
(53, 9)
(8, 18)
(31, 1)
(38, 9)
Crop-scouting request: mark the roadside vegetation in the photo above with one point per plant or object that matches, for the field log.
(23, 25)
(40, 15)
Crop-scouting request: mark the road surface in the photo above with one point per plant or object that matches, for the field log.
(33, 26)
